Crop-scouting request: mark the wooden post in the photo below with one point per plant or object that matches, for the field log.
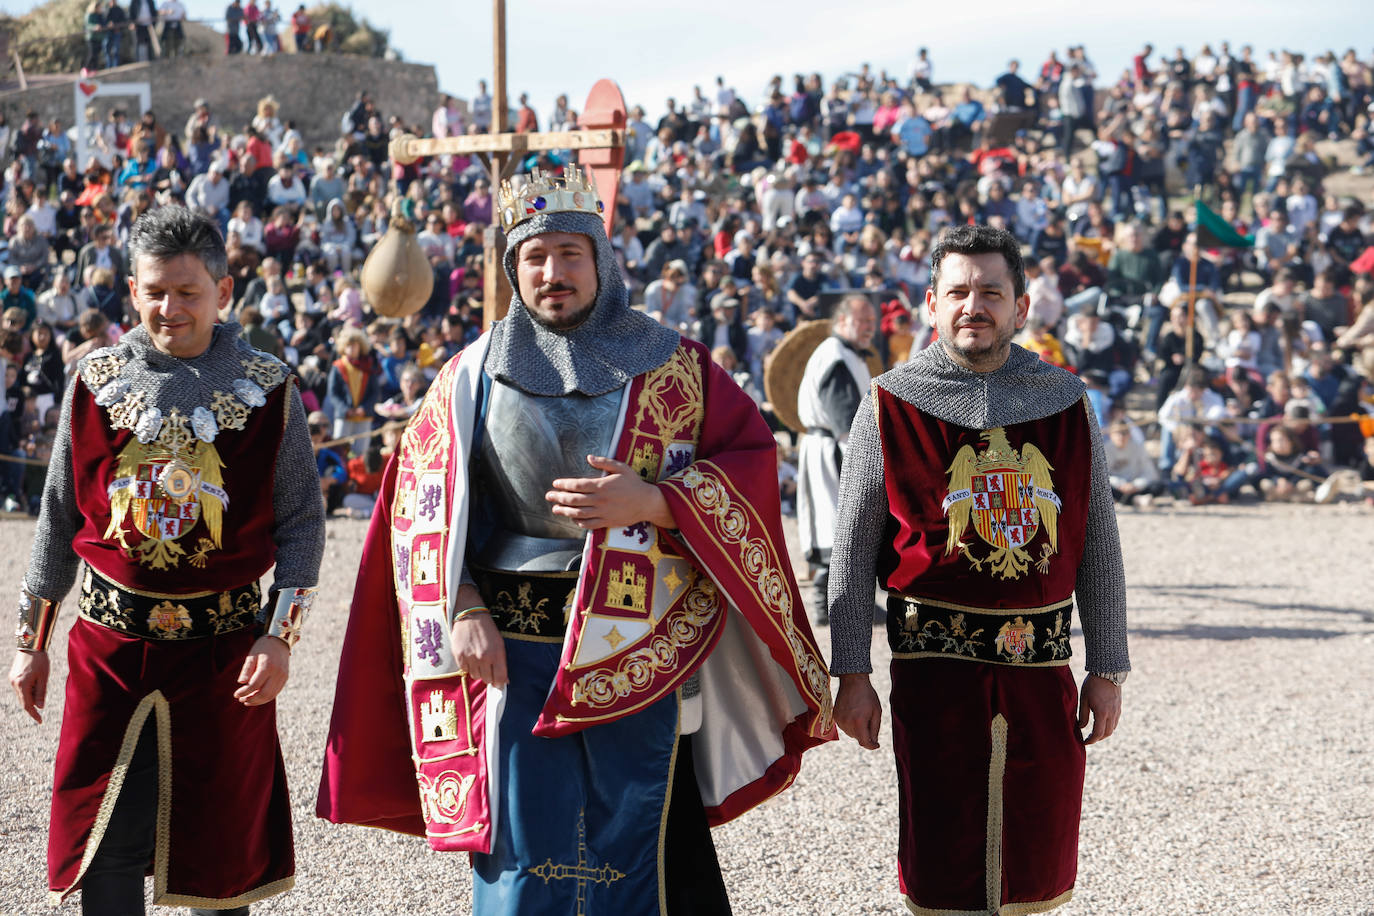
(1192, 285)
(496, 290)
(1192, 303)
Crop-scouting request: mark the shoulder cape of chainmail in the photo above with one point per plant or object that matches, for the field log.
(1023, 389)
(612, 346)
(173, 382)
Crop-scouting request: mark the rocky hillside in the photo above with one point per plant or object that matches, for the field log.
(49, 37)
(313, 90)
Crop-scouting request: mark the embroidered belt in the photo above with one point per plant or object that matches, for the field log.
(525, 603)
(155, 616)
(1004, 636)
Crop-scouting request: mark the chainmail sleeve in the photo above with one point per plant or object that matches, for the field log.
(859, 529)
(299, 510)
(52, 561)
(1101, 585)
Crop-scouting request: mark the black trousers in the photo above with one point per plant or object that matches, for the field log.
(692, 882)
(113, 883)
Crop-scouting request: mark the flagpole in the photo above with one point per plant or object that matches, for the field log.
(1192, 283)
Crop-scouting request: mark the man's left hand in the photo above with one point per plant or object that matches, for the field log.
(1102, 699)
(619, 499)
(265, 671)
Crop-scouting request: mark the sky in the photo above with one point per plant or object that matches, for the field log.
(659, 49)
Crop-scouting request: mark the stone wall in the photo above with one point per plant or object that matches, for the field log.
(314, 90)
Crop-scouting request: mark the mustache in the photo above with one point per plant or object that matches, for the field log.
(554, 288)
(973, 323)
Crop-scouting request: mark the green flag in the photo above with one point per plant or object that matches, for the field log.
(1215, 232)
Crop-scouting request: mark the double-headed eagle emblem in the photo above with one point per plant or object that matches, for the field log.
(167, 486)
(1008, 497)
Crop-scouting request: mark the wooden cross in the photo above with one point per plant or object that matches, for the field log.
(601, 143)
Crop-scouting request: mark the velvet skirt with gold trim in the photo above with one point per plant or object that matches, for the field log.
(224, 818)
(990, 782)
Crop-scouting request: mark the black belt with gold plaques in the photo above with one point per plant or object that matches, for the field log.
(1037, 636)
(171, 617)
(532, 605)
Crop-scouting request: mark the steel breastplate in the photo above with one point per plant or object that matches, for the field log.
(530, 440)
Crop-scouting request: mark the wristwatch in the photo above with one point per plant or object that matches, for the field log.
(1116, 677)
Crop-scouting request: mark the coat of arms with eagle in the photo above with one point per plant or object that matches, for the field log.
(1008, 496)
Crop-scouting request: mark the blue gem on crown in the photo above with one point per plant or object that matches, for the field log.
(543, 192)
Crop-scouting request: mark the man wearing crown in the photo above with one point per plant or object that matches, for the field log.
(975, 491)
(181, 474)
(576, 583)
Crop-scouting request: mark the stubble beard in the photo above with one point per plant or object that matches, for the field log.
(984, 358)
(564, 321)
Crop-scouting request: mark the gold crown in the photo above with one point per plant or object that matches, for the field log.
(573, 191)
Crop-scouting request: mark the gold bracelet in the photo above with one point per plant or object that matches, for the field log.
(468, 612)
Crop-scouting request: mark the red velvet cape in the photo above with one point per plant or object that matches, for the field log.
(726, 507)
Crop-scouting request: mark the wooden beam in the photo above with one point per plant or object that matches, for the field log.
(500, 107)
(407, 148)
(495, 287)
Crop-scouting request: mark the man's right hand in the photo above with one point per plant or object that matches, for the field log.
(479, 649)
(29, 678)
(857, 710)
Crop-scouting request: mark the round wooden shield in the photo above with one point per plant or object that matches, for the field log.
(782, 370)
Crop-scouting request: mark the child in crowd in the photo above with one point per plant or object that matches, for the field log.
(1207, 473)
(1132, 473)
(1041, 341)
(1290, 473)
(764, 335)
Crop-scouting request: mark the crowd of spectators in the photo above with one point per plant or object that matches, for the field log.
(739, 217)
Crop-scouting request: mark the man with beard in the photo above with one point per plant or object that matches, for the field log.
(576, 586)
(975, 488)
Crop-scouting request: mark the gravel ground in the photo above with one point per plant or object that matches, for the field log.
(1240, 780)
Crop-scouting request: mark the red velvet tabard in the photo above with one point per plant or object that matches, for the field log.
(997, 501)
(246, 547)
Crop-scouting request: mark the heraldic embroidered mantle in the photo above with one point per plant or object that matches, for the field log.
(651, 607)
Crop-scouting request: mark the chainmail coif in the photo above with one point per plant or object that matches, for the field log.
(613, 345)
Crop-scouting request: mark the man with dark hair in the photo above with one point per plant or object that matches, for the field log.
(975, 488)
(581, 490)
(168, 760)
